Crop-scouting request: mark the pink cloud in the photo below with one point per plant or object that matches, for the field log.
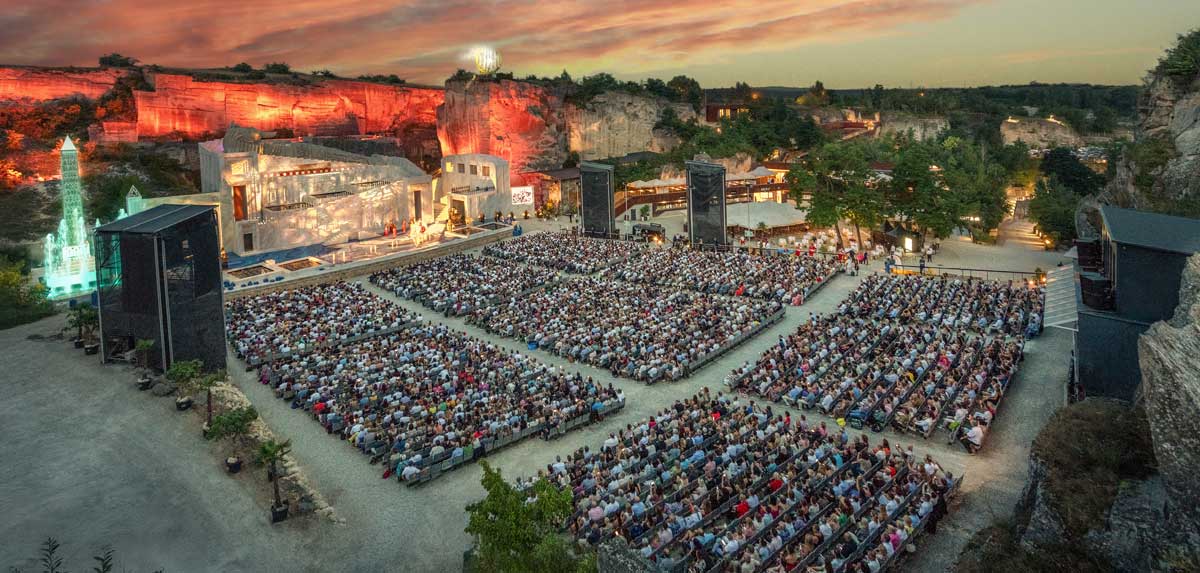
(424, 41)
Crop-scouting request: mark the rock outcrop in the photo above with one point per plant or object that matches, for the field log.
(921, 128)
(181, 104)
(1161, 170)
(520, 122)
(44, 84)
(1168, 353)
(617, 123)
(1039, 133)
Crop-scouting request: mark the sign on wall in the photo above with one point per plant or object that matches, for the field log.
(522, 195)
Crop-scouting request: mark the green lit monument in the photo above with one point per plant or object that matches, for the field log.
(70, 264)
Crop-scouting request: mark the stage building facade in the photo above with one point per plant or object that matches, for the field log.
(276, 194)
(471, 185)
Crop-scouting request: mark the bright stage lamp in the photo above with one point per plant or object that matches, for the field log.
(487, 60)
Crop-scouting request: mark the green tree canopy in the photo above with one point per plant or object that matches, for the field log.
(519, 531)
(1053, 209)
(1061, 164)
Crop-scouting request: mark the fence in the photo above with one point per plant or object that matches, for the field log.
(986, 274)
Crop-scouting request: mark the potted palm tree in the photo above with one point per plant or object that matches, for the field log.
(234, 424)
(141, 350)
(271, 453)
(184, 374)
(81, 318)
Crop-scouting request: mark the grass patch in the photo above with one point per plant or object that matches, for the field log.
(1088, 448)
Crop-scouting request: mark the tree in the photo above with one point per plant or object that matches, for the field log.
(232, 424)
(142, 349)
(1053, 210)
(277, 68)
(918, 193)
(205, 383)
(831, 174)
(687, 90)
(271, 453)
(1062, 164)
(21, 300)
(85, 319)
(115, 60)
(243, 68)
(518, 531)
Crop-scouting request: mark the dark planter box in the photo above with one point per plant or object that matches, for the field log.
(183, 404)
(233, 467)
(279, 513)
(91, 349)
(78, 343)
(145, 384)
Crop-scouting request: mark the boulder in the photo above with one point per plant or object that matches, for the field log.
(163, 388)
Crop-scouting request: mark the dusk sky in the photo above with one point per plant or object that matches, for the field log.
(898, 43)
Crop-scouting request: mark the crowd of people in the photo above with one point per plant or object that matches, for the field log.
(708, 484)
(296, 320)
(647, 333)
(787, 279)
(915, 353)
(428, 393)
(564, 251)
(458, 284)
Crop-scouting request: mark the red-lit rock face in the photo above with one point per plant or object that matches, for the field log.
(43, 84)
(522, 123)
(333, 107)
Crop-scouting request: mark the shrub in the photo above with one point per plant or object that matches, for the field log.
(1182, 61)
(277, 68)
(115, 60)
(243, 68)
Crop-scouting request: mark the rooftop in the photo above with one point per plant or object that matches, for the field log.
(1152, 230)
(155, 219)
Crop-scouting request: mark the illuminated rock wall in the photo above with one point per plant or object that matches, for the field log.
(1038, 133)
(519, 122)
(331, 107)
(615, 124)
(43, 84)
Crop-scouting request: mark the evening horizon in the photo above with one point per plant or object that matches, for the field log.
(925, 43)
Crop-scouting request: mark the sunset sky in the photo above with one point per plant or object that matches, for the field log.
(898, 43)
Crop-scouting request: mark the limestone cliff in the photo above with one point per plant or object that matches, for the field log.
(43, 84)
(921, 128)
(1160, 171)
(1039, 133)
(518, 121)
(179, 103)
(1169, 353)
(617, 123)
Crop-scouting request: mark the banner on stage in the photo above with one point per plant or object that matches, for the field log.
(522, 195)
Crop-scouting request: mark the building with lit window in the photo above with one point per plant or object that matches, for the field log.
(474, 184)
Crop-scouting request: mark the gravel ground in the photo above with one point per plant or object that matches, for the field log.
(167, 504)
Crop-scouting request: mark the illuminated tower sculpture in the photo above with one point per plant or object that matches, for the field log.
(70, 266)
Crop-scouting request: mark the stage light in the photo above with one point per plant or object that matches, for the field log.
(487, 60)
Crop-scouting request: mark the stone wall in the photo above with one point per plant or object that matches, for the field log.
(43, 84)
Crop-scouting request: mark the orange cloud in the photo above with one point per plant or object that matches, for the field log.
(424, 41)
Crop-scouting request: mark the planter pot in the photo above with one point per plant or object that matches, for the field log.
(279, 513)
(91, 349)
(233, 465)
(78, 343)
(182, 404)
(145, 383)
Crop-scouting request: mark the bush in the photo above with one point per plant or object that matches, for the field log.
(1182, 61)
(1088, 448)
(277, 68)
(20, 301)
(115, 60)
(243, 68)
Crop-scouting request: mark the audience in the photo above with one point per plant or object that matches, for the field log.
(297, 320)
(408, 397)
(458, 284)
(640, 332)
(787, 279)
(565, 251)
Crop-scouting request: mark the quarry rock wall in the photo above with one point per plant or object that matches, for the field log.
(179, 103)
(616, 123)
(1039, 133)
(922, 128)
(43, 84)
